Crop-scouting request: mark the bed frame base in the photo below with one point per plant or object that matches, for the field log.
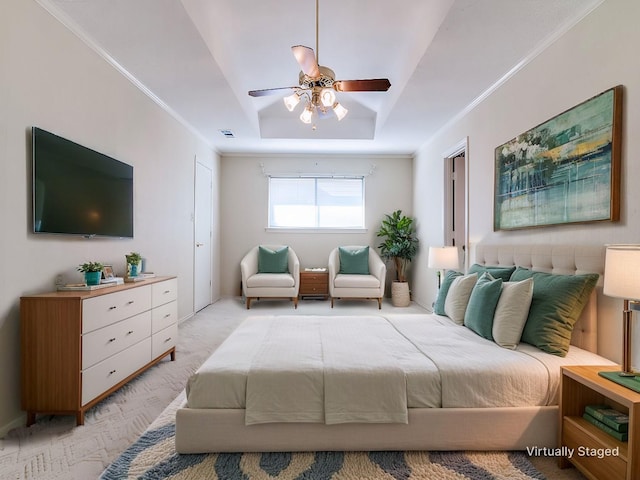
(220, 430)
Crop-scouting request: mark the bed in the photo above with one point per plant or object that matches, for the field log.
(281, 383)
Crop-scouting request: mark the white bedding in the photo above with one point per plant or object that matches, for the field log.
(293, 368)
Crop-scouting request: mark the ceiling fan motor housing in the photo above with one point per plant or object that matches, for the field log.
(325, 80)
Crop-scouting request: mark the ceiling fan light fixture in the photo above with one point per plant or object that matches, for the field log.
(307, 113)
(291, 101)
(340, 111)
(327, 97)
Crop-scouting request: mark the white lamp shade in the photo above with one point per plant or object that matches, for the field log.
(291, 101)
(306, 114)
(340, 111)
(327, 97)
(622, 272)
(443, 258)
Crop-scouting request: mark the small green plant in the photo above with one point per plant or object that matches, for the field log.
(133, 258)
(400, 243)
(90, 267)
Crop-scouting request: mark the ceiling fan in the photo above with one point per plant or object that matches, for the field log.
(317, 84)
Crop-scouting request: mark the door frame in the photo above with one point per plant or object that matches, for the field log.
(195, 220)
(460, 148)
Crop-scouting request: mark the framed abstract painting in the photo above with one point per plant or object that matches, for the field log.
(565, 170)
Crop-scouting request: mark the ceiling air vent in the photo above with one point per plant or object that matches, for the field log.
(227, 133)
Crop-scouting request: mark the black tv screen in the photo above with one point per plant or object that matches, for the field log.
(79, 191)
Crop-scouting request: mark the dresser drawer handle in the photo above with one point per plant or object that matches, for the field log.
(130, 302)
(112, 339)
(168, 339)
(167, 291)
(167, 315)
(129, 332)
(113, 308)
(112, 372)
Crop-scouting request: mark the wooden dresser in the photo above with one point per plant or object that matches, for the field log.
(79, 347)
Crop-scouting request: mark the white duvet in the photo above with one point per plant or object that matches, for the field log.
(345, 369)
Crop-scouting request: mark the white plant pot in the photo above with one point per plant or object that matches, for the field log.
(400, 294)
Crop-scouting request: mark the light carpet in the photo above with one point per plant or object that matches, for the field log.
(153, 457)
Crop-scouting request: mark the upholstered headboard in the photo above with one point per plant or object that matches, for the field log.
(558, 259)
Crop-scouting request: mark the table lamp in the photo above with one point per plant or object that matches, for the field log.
(443, 258)
(622, 280)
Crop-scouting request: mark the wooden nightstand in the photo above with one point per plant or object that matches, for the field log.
(598, 455)
(314, 284)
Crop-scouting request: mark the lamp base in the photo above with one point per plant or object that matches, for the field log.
(626, 379)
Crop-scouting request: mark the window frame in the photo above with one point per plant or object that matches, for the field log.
(317, 228)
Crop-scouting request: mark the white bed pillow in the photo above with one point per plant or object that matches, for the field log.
(512, 312)
(455, 305)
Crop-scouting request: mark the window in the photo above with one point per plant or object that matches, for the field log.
(316, 202)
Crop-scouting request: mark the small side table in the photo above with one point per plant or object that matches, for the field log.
(314, 283)
(581, 386)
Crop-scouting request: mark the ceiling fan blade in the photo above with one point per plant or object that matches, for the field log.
(307, 60)
(371, 85)
(272, 91)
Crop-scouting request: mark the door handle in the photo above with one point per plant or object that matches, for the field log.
(198, 244)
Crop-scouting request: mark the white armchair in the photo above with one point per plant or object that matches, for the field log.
(347, 285)
(257, 285)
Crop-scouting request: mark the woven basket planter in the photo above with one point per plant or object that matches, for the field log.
(400, 294)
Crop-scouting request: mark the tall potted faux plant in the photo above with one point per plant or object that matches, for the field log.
(401, 245)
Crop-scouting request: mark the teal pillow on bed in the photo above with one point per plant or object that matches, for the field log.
(496, 272)
(556, 305)
(482, 305)
(449, 277)
(273, 261)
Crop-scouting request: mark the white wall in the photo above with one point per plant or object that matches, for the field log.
(595, 55)
(51, 79)
(244, 190)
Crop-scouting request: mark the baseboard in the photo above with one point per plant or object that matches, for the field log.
(185, 318)
(21, 421)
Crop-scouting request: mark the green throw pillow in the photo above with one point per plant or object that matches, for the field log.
(558, 301)
(354, 262)
(482, 305)
(273, 261)
(496, 272)
(449, 277)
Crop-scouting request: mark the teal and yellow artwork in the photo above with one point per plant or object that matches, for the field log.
(565, 170)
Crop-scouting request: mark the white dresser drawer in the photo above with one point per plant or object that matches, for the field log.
(104, 375)
(164, 292)
(104, 342)
(164, 340)
(163, 316)
(98, 312)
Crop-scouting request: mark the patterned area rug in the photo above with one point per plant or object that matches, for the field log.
(153, 457)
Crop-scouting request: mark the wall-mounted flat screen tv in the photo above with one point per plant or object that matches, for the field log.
(78, 191)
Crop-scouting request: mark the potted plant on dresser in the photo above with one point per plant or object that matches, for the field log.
(92, 272)
(400, 244)
(134, 260)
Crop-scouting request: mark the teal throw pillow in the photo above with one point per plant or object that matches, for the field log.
(556, 305)
(273, 261)
(496, 272)
(354, 261)
(449, 277)
(482, 305)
